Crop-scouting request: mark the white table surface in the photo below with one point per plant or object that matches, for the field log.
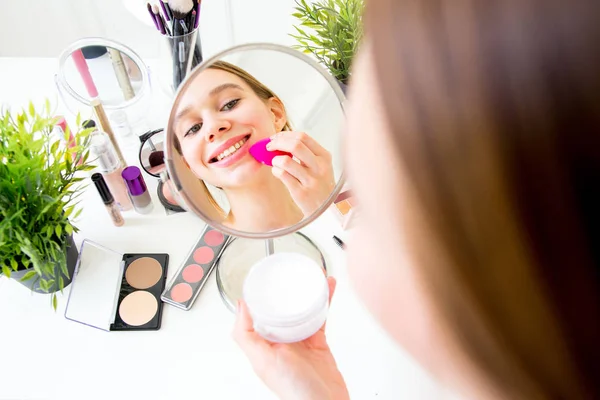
(45, 356)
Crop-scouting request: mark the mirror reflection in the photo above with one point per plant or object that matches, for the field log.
(152, 153)
(104, 72)
(255, 140)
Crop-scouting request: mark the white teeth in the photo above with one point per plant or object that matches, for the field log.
(231, 150)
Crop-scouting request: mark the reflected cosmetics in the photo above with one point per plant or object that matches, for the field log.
(344, 208)
(152, 160)
(117, 292)
(184, 288)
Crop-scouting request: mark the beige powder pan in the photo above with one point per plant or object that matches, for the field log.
(143, 273)
(138, 308)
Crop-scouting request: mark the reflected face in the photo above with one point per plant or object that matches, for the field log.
(219, 117)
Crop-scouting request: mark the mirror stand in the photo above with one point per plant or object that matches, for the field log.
(241, 254)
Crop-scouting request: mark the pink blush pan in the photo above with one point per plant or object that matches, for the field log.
(181, 292)
(204, 255)
(214, 238)
(193, 273)
(185, 286)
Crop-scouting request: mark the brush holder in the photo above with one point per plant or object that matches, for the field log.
(178, 56)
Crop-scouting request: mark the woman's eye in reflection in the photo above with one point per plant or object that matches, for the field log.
(230, 105)
(194, 129)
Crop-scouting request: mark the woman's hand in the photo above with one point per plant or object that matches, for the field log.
(303, 370)
(309, 180)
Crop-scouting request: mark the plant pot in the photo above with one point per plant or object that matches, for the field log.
(34, 283)
(344, 87)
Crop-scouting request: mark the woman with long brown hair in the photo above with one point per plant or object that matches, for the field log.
(481, 122)
(219, 116)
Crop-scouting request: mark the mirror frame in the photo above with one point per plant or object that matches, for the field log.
(174, 179)
(97, 41)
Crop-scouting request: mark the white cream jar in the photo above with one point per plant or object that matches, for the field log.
(287, 296)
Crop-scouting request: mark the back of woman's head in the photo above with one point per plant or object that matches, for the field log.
(494, 106)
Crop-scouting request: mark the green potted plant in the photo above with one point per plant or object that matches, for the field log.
(40, 183)
(330, 30)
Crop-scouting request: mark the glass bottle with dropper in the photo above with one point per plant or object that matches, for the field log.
(109, 165)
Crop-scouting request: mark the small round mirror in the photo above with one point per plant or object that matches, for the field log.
(99, 68)
(96, 69)
(253, 143)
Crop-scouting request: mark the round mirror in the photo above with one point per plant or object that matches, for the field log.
(96, 69)
(99, 68)
(253, 143)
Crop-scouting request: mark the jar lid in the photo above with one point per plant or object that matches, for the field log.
(284, 289)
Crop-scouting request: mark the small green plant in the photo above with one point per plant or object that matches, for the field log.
(40, 183)
(330, 30)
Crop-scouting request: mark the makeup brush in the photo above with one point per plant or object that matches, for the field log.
(166, 10)
(197, 16)
(152, 15)
(158, 19)
(180, 10)
(156, 158)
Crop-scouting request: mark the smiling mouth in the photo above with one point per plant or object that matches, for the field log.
(230, 151)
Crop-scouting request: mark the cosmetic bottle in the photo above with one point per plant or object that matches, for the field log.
(287, 296)
(106, 127)
(108, 200)
(142, 203)
(109, 165)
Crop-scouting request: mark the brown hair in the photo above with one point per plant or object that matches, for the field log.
(494, 108)
(259, 89)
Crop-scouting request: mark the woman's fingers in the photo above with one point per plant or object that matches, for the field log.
(290, 166)
(255, 347)
(290, 143)
(308, 140)
(332, 283)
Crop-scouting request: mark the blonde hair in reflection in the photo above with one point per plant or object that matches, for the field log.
(262, 91)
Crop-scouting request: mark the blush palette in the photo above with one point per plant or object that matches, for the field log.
(183, 289)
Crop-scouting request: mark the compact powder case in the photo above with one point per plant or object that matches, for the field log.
(184, 288)
(117, 292)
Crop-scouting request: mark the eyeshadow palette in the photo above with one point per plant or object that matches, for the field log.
(117, 292)
(183, 289)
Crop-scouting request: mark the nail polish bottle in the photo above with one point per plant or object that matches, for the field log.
(142, 203)
(108, 200)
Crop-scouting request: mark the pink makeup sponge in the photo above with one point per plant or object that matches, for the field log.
(260, 153)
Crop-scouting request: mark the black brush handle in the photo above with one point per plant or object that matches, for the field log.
(178, 74)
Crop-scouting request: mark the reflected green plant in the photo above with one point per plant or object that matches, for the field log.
(330, 30)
